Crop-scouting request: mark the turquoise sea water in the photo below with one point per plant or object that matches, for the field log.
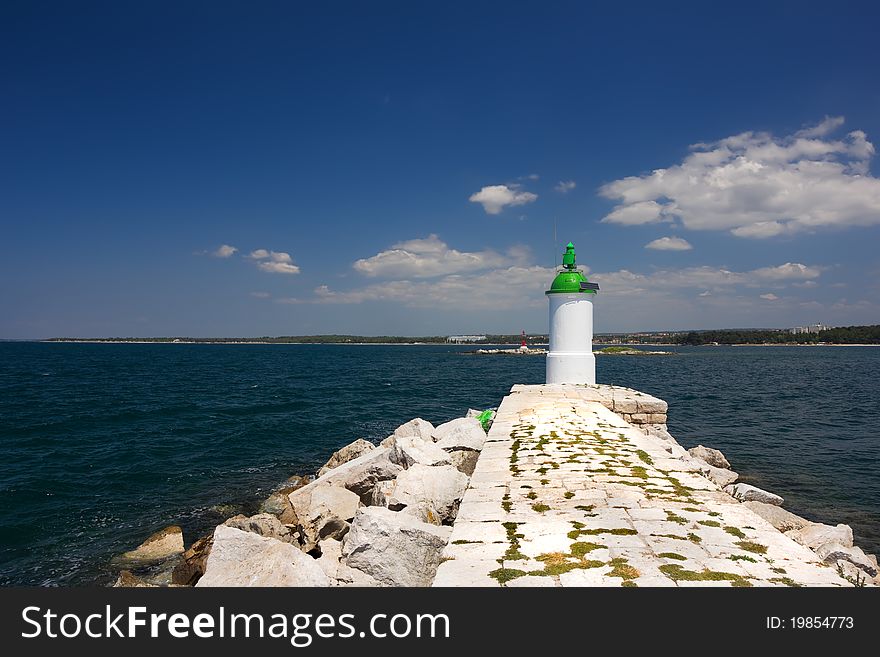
(102, 444)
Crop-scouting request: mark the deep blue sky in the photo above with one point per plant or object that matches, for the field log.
(138, 138)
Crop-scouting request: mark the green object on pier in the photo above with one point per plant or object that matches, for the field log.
(485, 419)
(569, 280)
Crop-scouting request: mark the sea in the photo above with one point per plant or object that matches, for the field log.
(103, 444)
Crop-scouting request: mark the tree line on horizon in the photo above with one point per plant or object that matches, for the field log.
(839, 335)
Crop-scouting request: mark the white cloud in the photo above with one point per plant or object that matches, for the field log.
(669, 244)
(499, 289)
(565, 186)
(706, 293)
(705, 278)
(260, 295)
(787, 272)
(276, 262)
(494, 198)
(758, 186)
(224, 251)
(429, 257)
(770, 297)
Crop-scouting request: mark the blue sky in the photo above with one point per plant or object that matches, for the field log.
(397, 168)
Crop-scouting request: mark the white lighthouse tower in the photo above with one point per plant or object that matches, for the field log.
(570, 359)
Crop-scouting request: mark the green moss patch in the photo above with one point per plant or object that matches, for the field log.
(735, 531)
(677, 573)
(503, 575)
(671, 555)
(751, 546)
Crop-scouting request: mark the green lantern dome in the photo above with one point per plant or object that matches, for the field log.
(571, 280)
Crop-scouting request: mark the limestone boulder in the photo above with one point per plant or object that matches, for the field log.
(834, 552)
(393, 548)
(241, 558)
(264, 524)
(465, 460)
(194, 562)
(409, 450)
(711, 456)
(360, 475)
(748, 493)
(462, 433)
(346, 454)
(783, 520)
(277, 503)
(164, 544)
(324, 511)
(339, 573)
(439, 488)
(128, 580)
(815, 534)
(416, 427)
(720, 476)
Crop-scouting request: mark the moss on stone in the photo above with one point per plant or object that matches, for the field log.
(671, 516)
(568, 495)
(709, 523)
(678, 573)
(643, 455)
(503, 575)
(580, 548)
(735, 531)
(671, 555)
(751, 546)
(540, 508)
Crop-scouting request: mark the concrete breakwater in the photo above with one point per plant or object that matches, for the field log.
(573, 486)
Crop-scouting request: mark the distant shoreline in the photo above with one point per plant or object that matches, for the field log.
(428, 344)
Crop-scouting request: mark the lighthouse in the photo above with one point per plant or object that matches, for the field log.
(570, 359)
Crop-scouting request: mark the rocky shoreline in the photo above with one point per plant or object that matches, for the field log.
(382, 515)
(372, 516)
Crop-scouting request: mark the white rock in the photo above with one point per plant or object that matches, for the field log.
(361, 475)
(720, 476)
(710, 456)
(393, 548)
(245, 559)
(417, 427)
(440, 487)
(324, 511)
(815, 534)
(264, 524)
(164, 544)
(748, 493)
(408, 450)
(339, 573)
(834, 552)
(777, 516)
(346, 454)
(465, 460)
(463, 433)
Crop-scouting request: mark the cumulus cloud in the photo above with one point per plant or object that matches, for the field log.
(494, 198)
(276, 262)
(260, 295)
(770, 297)
(704, 278)
(565, 186)
(225, 251)
(499, 289)
(429, 257)
(758, 186)
(669, 244)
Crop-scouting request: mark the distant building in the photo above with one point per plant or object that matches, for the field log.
(458, 339)
(812, 328)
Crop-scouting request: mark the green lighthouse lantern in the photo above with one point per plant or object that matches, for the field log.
(571, 280)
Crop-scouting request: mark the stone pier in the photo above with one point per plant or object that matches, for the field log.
(581, 486)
